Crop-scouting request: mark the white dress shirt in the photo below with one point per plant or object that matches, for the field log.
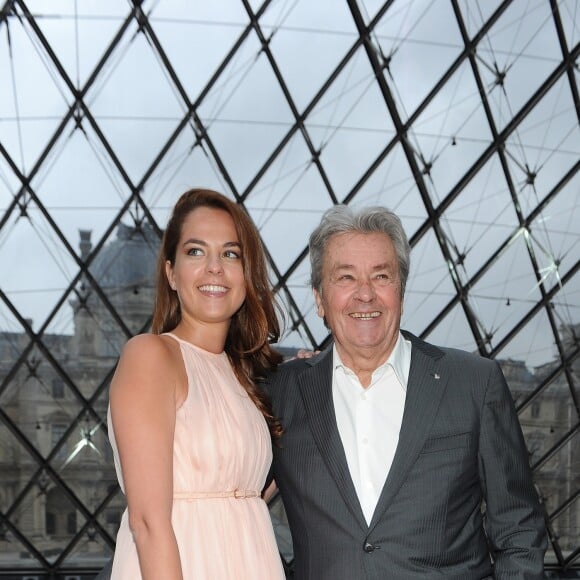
(369, 420)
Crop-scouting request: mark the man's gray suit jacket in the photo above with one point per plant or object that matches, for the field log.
(460, 446)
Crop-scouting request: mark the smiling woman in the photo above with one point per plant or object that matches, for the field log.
(190, 432)
(207, 274)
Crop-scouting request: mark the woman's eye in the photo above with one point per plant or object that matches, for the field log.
(232, 254)
(195, 252)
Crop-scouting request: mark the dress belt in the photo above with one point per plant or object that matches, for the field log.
(236, 493)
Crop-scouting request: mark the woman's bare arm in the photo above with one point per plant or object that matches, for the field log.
(144, 396)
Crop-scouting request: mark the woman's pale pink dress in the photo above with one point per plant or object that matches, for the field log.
(221, 456)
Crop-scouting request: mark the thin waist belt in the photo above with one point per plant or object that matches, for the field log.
(236, 493)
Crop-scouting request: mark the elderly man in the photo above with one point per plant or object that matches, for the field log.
(399, 459)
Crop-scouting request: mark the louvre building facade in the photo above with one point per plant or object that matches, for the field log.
(41, 401)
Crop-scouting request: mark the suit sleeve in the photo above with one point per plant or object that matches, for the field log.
(265, 385)
(515, 520)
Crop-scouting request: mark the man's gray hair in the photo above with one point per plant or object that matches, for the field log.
(342, 219)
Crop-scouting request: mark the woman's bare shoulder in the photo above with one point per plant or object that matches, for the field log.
(149, 345)
(147, 358)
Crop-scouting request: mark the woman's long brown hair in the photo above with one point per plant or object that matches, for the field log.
(255, 325)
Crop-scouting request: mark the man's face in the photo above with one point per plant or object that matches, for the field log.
(360, 294)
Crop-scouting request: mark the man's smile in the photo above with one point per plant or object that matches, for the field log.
(365, 315)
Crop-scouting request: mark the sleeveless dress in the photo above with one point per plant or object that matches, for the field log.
(221, 456)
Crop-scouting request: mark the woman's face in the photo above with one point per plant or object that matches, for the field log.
(208, 272)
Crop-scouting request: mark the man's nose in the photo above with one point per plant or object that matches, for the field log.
(365, 291)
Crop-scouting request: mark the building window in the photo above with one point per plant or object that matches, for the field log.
(535, 410)
(57, 388)
(50, 523)
(109, 458)
(56, 433)
(71, 522)
(60, 516)
(113, 518)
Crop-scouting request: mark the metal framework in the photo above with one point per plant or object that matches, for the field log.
(433, 108)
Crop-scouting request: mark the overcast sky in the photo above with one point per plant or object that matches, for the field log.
(252, 148)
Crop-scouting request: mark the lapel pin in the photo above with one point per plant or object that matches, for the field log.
(435, 376)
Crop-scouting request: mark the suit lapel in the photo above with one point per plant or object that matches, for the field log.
(425, 388)
(316, 388)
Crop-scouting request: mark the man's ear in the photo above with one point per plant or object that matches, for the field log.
(318, 299)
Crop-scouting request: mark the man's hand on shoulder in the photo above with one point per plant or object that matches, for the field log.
(303, 353)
